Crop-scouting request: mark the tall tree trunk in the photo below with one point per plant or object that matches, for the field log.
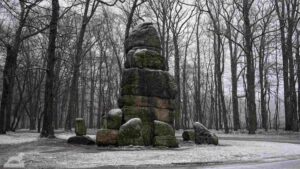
(73, 98)
(92, 96)
(184, 93)
(83, 90)
(285, 63)
(7, 91)
(234, 80)
(264, 113)
(47, 130)
(177, 80)
(198, 110)
(248, 38)
(292, 91)
(298, 70)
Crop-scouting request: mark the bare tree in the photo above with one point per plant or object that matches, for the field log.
(47, 130)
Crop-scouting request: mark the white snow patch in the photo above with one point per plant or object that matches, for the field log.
(17, 138)
(115, 112)
(15, 162)
(228, 151)
(66, 136)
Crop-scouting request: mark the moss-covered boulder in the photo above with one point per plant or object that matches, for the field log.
(144, 35)
(144, 58)
(82, 140)
(114, 119)
(130, 133)
(147, 133)
(163, 129)
(106, 137)
(188, 135)
(203, 135)
(80, 128)
(150, 83)
(165, 141)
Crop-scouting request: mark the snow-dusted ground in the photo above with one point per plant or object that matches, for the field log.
(228, 151)
(18, 138)
(44, 153)
(67, 135)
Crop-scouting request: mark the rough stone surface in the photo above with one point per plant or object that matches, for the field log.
(150, 83)
(165, 141)
(203, 135)
(147, 91)
(147, 114)
(80, 128)
(164, 115)
(143, 35)
(130, 133)
(143, 113)
(106, 137)
(188, 135)
(144, 58)
(114, 119)
(143, 101)
(83, 140)
(147, 133)
(163, 129)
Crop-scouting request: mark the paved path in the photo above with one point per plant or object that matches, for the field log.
(278, 140)
(289, 164)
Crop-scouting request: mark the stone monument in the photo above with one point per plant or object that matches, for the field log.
(146, 98)
(147, 90)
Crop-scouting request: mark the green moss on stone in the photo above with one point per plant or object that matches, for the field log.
(153, 41)
(147, 133)
(114, 119)
(165, 141)
(149, 59)
(80, 128)
(143, 113)
(163, 129)
(188, 135)
(130, 133)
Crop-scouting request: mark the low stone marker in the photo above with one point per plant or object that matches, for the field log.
(80, 131)
(80, 128)
(203, 135)
(188, 135)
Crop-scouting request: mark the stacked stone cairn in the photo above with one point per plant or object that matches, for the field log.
(147, 95)
(80, 131)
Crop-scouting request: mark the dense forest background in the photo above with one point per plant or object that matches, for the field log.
(236, 62)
